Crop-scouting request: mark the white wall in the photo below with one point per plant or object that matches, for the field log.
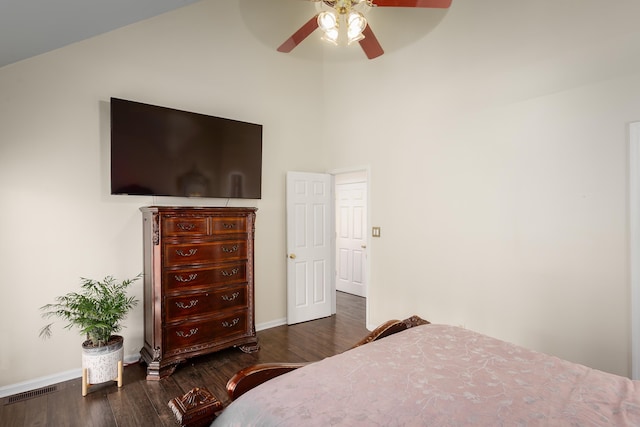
(58, 221)
(498, 154)
(496, 143)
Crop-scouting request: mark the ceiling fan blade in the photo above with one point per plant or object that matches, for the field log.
(413, 3)
(299, 35)
(370, 43)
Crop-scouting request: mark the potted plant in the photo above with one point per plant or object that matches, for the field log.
(97, 312)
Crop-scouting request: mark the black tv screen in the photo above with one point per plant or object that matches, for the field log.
(161, 151)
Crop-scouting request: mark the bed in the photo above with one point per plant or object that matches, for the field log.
(425, 374)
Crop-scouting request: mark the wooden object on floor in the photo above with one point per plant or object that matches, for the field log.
(85, 378)
(198, 284)
(196, 408)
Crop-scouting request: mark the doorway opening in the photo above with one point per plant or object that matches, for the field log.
(316, 258)
(351, 190)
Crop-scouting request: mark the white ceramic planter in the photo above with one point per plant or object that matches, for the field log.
(101, 364)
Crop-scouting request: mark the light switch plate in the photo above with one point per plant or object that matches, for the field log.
(375, 231)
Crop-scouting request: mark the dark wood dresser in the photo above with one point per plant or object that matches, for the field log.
(198, 284)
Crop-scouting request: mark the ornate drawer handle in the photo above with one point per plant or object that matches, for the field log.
(186, 227)
(231, 324)
(191, 332)
(230, 250)
(232, 297)
(191, 278)
(228, 226)
(233, 272)
(191, 252)
(192, 303)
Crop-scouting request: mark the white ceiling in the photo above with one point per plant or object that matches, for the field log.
(32, 27)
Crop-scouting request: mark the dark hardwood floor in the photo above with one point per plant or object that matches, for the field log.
(144, 403)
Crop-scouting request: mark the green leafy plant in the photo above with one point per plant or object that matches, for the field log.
(96, 311)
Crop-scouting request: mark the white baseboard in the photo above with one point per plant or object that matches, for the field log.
(36, 383)
(272, 324)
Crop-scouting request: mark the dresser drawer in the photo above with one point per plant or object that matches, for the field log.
(229, 225)
(193, 278)
(184, 226)
(189, 334)
(204, 253)
(202, 303)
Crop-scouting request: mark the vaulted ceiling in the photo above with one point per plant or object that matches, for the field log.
(32, 27)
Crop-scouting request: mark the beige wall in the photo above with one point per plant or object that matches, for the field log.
(58, 221)
(497, 147)
(498, 154)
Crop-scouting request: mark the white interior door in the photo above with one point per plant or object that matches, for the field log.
(351, 236)
(310, 243)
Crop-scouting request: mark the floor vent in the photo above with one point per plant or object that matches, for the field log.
(30, 394)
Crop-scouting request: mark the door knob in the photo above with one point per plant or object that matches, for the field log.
(292, 256)
(363, 246)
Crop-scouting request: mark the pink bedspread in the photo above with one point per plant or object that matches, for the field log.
(437, 375)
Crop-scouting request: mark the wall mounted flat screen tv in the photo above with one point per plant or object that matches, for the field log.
(161, 151)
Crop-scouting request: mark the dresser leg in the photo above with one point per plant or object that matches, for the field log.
(157, 373)
(249, 347)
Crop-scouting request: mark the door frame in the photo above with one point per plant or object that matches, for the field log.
(634, 250)
(370, 281)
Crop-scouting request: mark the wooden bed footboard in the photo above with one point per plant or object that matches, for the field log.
(391, 327)
(252, 376)
(248, 378)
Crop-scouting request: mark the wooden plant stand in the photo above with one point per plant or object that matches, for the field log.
(85, 378)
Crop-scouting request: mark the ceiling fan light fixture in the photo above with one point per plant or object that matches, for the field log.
(355, 26)
(327, 21)
(331, 35)
(354, 39)
(356, 19)
(356, 23)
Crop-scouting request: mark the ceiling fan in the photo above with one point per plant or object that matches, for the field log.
(349, 14)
